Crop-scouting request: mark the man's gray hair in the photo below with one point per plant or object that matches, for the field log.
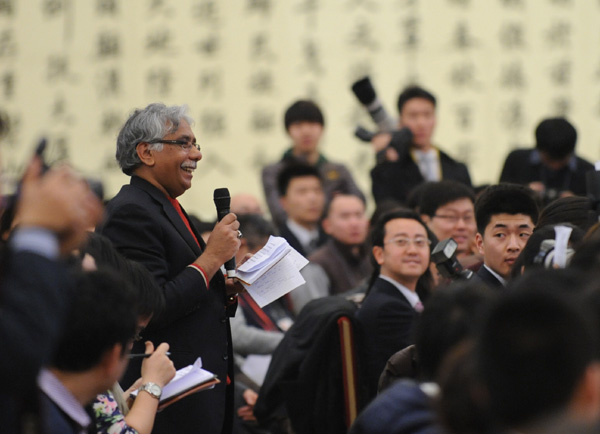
(154, 122)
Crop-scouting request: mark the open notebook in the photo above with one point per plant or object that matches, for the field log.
(188, 380)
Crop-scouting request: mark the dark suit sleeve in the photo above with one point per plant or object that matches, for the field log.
(33, 301)
(382, 186)
(467, 177)
(141, 236)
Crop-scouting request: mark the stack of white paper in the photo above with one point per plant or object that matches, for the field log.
(272, 272)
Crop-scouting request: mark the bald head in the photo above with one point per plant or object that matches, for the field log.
(245, 203)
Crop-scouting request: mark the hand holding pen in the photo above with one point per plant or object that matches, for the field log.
(157, 367)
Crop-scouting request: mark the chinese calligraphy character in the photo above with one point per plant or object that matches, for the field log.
(512, 76)
(262, 120)
(512, 35)
(261, 82)
(108, 45)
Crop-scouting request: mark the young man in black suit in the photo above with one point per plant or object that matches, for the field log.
(506, 215)
(92, 352)
(401, 248)
(411, 159)
(158, 149)
(301, 195)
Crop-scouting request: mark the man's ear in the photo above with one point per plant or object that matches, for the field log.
(378, 254)
(426, 219)
(479, 242)
(145, 154)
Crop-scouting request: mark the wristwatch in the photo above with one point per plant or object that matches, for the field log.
(152, 388)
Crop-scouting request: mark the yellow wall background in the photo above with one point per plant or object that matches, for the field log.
(72, 70)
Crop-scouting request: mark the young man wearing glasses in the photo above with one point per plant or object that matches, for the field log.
(158, 149)
(401, 249)
(447, 207)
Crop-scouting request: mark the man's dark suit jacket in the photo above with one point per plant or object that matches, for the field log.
(488, 279)
(386, 319)
(33, 301)
(289, 236)
(523, 166)
(145, 227)
(56, 421)
(396, 179)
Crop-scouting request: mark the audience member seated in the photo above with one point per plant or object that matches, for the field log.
(551, 169)
(576, 210)
(304, 124)
(450, 317)
(447, 207)
(401, 249)
(537, 255)
(301, 195)
(254, 330)
(409, 164)
(343, 262)
(538, 358)
(506, 215)
(112, 413)
(245, 203)
(257, 330)
(92, 353)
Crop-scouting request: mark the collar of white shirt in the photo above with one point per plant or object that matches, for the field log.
(305, 236)
(63, 398)
(411, 296)
(496, 275)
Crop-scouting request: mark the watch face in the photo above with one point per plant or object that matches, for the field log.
(155, 389)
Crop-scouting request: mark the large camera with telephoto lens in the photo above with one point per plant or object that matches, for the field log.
(365, 93)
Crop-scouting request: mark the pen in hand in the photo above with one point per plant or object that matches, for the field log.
(144, 355)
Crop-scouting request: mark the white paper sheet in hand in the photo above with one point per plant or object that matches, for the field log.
(280, 279)
(262, 261)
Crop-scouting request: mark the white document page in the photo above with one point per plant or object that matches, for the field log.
(280, 279)
(272, 252)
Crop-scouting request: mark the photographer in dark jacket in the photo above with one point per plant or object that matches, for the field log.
(551, 169)
(409, 157)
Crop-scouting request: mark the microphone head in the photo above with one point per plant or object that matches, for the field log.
(364, 90)
(222, 198)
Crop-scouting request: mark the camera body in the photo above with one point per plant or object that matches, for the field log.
(444, 257)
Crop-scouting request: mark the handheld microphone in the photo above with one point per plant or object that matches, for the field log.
(222, 201)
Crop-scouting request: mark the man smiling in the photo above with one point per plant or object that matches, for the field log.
(506, 216)
(393, 302)
(158, 149)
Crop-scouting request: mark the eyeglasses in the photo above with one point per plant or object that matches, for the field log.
(403, 242)
(468, 219)
(186, 146)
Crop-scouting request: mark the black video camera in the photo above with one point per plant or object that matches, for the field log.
(444, 257)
